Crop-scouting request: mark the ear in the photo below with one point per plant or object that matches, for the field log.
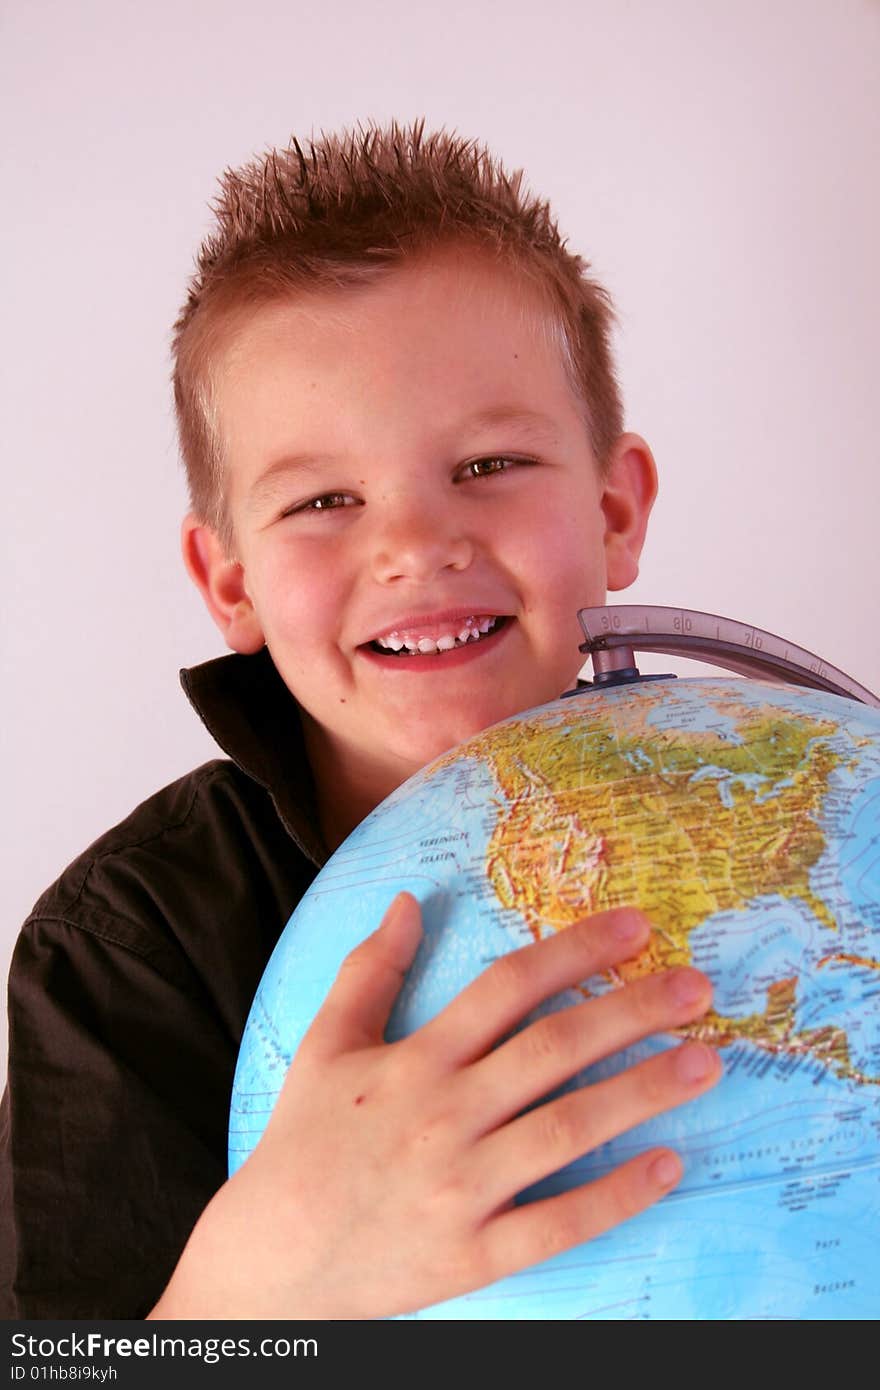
(628, 495)
(220, 581)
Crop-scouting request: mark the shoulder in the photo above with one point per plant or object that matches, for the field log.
(206, 857)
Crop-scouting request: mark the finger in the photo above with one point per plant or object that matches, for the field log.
(499, 999)
(554, 1049)
(555, 1134)
(526, 1235)
(355, 1012)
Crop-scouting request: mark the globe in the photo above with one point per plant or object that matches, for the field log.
(744, 818)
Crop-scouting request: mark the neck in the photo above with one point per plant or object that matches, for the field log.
(349, 783)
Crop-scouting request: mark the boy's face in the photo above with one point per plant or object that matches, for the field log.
(404, 459)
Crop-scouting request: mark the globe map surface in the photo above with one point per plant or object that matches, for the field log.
(744, 818)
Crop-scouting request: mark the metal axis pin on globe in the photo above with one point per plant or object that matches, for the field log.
(614, 634)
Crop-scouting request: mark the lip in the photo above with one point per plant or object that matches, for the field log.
(441, 661)
(426, 620)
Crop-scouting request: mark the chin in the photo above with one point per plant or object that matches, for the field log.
(428, 744)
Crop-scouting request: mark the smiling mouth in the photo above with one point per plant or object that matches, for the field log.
(426, 646)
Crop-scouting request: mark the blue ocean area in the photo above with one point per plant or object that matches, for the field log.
(695, 709)
(754, 1252)
(392, 838)
(746, 951)
(859, 862)
(702, 717)
(429, 850)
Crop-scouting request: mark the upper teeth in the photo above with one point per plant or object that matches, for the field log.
(471, 630)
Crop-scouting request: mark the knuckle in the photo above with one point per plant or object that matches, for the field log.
(357, 957)
(653, 1084)
(510, 974)
(452, 1196)
(431, 1138)
(408, 1057)
(414, 1085)
(560, 1132)
(559, 1231)
(618, 1201)
(492, 1258)
(465, 1266)
(643, 1003)
(547, 1040)
(402, 1067)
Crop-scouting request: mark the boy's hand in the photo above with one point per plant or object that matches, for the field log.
(385, 1179)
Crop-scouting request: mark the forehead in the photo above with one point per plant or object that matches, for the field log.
(421, 349)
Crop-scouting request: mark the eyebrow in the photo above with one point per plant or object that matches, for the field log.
(530, 422)
(269, 480)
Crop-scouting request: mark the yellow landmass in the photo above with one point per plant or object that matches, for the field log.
(773, 1030)
(596, 818)
(598, 815)
(866, 962)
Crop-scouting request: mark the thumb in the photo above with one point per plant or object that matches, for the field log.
(356, 1011)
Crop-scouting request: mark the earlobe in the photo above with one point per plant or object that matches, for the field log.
(628, 496)
(220, 581)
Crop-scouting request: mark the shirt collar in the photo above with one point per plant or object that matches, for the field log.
(248, 710)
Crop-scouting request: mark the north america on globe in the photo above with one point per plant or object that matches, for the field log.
(723, 818)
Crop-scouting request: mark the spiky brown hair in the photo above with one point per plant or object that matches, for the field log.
(345, 210)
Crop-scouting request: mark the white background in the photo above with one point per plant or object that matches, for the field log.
(716, 161)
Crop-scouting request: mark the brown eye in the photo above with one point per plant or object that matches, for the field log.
(328, 501)
(325, 502)
(482, 468)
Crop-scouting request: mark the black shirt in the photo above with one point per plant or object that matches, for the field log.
(129, 990)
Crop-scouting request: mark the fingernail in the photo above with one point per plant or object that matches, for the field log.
(629, 926)
(694, 1062)
(666, 1170)
(687, 986)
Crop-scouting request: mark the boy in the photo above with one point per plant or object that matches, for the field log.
(404, 446)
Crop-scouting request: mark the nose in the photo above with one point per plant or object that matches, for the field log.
(416, 540)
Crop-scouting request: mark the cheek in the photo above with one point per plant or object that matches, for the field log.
(579, 542)
(567, 565)
(295, 600)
